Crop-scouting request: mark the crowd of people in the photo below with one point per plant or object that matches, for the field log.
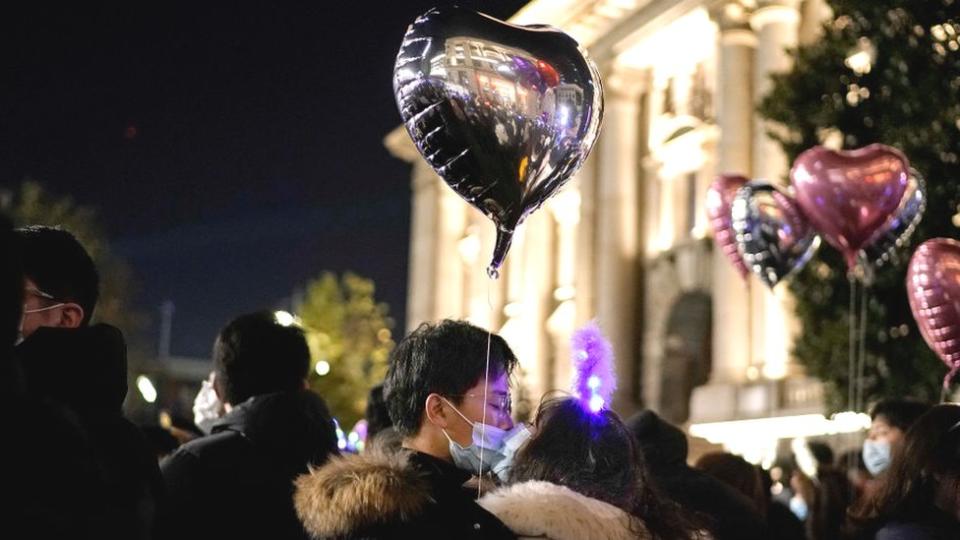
(444, 457)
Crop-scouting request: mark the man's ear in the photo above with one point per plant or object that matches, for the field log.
(435, 411)
(71, 315)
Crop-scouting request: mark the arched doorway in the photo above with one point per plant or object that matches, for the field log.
(686, 353)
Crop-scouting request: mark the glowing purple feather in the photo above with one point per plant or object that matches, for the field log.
(594, 377)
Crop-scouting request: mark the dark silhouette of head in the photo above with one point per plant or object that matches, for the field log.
(255, 355)
(60, 273)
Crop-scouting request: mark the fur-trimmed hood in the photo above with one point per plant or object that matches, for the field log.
(544, 510)
(359, 492)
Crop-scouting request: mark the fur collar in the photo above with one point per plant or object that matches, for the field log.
(545, 510)
(357, 492)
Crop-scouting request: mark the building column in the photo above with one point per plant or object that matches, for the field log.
(776, 24)
(617, 197)
(565, 209)
(448, 286)
(424, 217)
(731, 294)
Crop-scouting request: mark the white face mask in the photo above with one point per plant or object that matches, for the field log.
(876, 456)
(206, 407)
(492, 449)
(20, 336)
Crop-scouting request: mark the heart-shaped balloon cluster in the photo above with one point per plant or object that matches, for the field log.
(505, 114)
(865, 202)
(933, 288)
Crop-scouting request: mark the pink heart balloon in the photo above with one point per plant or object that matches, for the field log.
(720, 197)
(848, 195)
(933, 289)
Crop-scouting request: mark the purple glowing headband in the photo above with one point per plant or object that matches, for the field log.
(594, 378)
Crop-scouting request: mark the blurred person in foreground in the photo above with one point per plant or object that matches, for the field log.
(726, 513)
(450, 402)
(82, 367)
(237, 482)
(581, 477)
(918, 498)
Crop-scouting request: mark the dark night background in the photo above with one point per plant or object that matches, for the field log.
(233, 151)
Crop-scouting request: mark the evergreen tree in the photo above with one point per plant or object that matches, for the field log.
(348, 330)
(885, 71)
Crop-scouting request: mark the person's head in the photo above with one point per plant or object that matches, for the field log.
(255, 355)
(664, 445)
(377, 415)
(924, 473)
(437, 385)
(737, 473)
(890, 419)
(595, 454)
(61, 285)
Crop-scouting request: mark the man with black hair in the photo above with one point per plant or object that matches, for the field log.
(447, 390)
(62, 284)
(47, 458)
(83, 368)
(237, 482)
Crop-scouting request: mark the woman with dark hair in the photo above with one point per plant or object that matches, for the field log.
(919, 496)
(580, 477)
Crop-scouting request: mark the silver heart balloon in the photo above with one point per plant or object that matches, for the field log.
(773, 236)
(505, 114)
(885, 244)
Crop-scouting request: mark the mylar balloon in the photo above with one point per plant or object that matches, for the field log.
(720, 197)
(883, 246)
(933, 288)
(773, 236)
(505, 114)
(849, 195)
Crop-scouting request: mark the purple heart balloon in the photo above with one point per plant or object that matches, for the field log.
(933, 288)
(849, 195)
(720, 197)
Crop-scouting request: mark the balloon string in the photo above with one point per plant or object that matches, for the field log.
(862, 357)
(851, 351)
(486, 384)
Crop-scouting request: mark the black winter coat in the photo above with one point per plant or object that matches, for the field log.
(237, 482)
(84, 371)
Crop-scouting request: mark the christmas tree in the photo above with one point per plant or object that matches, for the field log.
(884, 71)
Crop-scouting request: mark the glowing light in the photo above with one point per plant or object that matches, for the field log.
(284, 318)
(596, 403)
(146, 388)
(593, 382)
(341, 438)
(322, 368)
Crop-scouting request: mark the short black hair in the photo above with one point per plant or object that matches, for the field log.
(254, 355)
(55, 260)
(447, 358)
(899, 413)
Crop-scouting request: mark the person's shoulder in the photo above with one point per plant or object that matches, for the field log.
(544, 509)
(360, 492)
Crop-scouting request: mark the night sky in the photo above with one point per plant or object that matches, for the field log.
(233, 151)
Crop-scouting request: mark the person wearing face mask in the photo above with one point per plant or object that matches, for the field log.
(82, 367)
(918, 497)
(890, 420)
(452, 408)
